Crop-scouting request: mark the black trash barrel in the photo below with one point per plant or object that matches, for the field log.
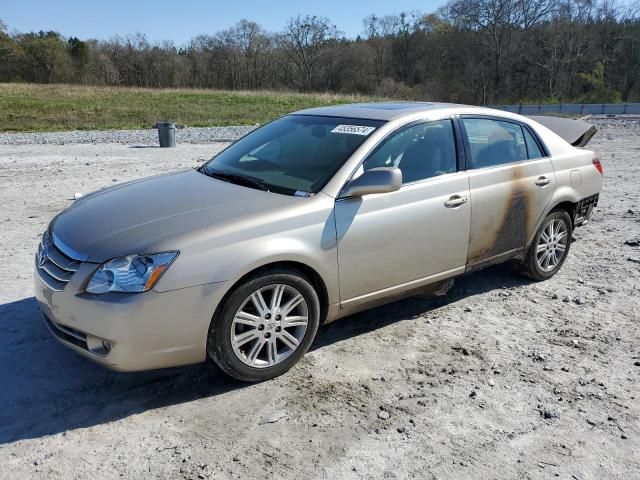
(166, 134)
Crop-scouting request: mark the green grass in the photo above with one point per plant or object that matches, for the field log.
(39, 108)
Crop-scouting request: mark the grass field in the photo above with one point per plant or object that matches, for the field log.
(28, 107)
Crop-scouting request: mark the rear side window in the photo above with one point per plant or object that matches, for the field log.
(420, 151)
(533, 149)
(494, 142)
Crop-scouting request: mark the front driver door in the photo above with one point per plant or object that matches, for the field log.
(394, 241)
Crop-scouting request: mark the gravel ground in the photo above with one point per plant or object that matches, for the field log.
(147, 137)
(503, 378)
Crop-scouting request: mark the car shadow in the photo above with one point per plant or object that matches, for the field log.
(48, 389)
(492, 278)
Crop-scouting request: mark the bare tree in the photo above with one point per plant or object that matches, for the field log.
(378, 31)
(559, 47)
(244, 47)
(532, 12)
(302, 43)
(406, 27)
(496, 21)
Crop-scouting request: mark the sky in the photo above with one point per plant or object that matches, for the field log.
(182, 20)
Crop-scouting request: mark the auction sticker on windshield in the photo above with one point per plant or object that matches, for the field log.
(353, 129)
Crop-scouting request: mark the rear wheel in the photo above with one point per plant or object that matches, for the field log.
(264, 326)
(549, 248)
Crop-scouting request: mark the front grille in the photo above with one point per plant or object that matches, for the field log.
(54, 267)
(68, 334)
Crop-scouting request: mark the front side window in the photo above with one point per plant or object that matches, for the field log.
(296, 154)
(421, 151)
(494, 142)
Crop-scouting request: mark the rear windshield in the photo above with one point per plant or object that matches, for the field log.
(296, 154)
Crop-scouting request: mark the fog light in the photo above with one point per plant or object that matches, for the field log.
(98, 345)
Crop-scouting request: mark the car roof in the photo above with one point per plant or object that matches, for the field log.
(376, 111)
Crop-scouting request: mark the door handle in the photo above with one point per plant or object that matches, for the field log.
(542, 181)
(455, 201)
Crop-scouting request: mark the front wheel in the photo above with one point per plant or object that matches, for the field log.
(264, 326)
(549, 248)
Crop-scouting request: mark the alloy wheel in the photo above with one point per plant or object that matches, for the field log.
(552, 245)
(269, 325)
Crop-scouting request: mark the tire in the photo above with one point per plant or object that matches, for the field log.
(273, 336)
(535, 264)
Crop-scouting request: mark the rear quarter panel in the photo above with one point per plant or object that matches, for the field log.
(566, 159)
(576, 176)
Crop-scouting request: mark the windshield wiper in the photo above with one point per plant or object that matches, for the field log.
(234, 178)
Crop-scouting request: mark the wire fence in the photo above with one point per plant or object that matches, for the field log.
(574, 109)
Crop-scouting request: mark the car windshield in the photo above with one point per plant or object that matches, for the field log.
(294, 155)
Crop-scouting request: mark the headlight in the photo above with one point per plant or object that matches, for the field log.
(135, 273)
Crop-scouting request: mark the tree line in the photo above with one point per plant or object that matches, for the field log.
(467, 51)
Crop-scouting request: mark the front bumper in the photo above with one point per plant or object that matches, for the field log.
(131, 332)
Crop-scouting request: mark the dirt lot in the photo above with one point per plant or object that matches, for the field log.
(503, 378)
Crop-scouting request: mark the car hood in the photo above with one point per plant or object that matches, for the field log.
(143, 215)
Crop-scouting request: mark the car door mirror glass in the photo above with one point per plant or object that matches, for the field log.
(376, 180)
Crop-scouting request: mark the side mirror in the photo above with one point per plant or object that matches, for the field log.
(376, 180)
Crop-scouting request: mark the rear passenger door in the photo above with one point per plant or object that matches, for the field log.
(511, 181)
